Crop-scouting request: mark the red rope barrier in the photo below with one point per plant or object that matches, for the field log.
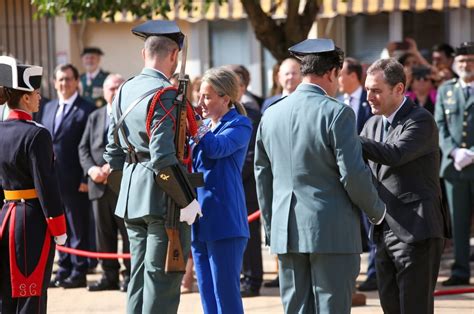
(102, 255)
(438, 293)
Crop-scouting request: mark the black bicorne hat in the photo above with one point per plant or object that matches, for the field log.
(160, 28)
(19, 76)
(312, 46)
(466, 48)
(95, 50)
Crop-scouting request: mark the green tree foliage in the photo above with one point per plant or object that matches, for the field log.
(275, 35)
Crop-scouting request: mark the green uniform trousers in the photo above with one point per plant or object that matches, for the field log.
(151, 290)
(317, 283)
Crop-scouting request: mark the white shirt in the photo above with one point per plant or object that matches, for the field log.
(392, 116)
(69, 103)
(353, 100)
(92, 75)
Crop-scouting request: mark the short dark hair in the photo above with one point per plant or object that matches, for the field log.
(323, 62)
(404, 57)
(242, 72)
(393, 72)
(66, 66)
(444, 48)
(354, 66)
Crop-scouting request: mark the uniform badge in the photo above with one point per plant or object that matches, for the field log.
(164, 177)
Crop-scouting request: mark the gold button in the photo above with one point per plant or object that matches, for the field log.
(466, 113)
(463, 145)
(446, 111)
(464, 133)
(464, 123)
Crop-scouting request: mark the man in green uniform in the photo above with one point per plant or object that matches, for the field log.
(454, 114)
(311, 181)
(92, 81)
(150, 153)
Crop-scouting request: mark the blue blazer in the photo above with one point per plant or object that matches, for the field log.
(66, 141)
(220, 155)
(364, 110)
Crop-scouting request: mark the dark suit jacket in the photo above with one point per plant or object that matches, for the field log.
(406, 167)
(364, 110)
(66, 141)
(248, 176)
(92, 148)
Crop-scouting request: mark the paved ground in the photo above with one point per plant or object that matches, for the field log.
(82, 301)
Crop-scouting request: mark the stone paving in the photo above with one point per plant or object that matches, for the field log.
(82, 301)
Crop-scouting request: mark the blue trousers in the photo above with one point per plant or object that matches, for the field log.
(218, 264)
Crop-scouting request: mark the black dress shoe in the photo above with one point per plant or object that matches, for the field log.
(124, 284)
(103, 284)
(275, 283)
(56, 281)
(455, 281)
(247, 292)
(69, 282)
(369, 285)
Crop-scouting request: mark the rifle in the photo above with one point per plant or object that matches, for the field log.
(174, 254)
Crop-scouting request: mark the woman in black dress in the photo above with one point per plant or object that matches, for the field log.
(32, 215)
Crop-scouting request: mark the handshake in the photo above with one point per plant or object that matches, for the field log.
(462, 158)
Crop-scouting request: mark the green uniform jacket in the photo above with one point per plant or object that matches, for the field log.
(311, 178)
(93, 91)
(454, 115)
(139, 194)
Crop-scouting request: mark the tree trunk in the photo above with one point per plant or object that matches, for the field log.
(278, 35)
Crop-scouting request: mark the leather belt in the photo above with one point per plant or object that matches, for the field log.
(137, 157)
(12, 195)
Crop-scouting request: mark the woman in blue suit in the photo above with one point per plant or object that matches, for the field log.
(219, 237)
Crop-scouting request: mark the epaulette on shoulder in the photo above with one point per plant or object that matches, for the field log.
(276, 101)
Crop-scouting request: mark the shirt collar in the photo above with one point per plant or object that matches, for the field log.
(18, 114)
(325, 93)
(392, 116)
(357, 93)
(93, 74)
(464, 84)
(158, 71)
(70, 100)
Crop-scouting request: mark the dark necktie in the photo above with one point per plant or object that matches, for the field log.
(386, 125)
(468, 91)
(59, 116)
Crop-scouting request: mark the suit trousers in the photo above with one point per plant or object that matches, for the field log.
(77, 208)
(460, 195)
(252, 267)
(406, 272)
(151, 290)
(107, 227)
(218, 264)
(317, 283)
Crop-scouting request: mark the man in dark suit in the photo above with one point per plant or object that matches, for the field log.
(66, 118)
(401, 144)
(103, 197)
(355, 96)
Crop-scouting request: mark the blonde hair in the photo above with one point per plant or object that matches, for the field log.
(225, 82)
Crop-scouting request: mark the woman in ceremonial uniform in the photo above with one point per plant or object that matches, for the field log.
(219, 237)
(32, 213)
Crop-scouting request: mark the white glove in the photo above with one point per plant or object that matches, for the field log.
(189, 213)
(462, 158)
(60, 240)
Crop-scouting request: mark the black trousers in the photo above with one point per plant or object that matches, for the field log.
(107, 228)
(252, 267)
(406, 272)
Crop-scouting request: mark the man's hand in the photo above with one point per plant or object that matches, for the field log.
(462, 158)
(97, 174)
(189, 213)
(61, 239)
(83, 188)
